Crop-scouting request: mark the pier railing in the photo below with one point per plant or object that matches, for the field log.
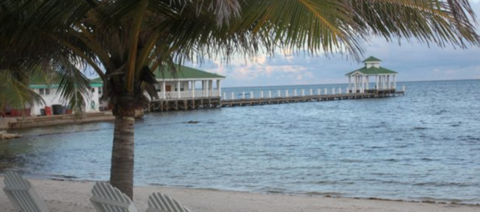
(198, 99)
(231, 96)
(172, 95)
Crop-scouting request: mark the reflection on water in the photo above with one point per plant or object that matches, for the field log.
(422, 146)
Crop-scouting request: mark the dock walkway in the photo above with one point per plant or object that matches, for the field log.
(308, 98)
(281, 97)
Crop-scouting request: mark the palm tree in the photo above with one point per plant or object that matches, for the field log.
(14, 91)
(124, 40)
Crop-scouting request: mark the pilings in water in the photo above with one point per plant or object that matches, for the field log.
(183, 104)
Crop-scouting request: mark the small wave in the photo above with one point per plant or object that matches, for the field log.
(324, 194)
(469, 138)
(446, 184)
(420, 128)
(328, 182)
(351, 160)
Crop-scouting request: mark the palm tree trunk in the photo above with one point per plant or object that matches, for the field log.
(121, 173)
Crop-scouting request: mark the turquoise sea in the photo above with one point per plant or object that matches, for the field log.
(423, 146)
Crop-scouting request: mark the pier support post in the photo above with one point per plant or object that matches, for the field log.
(349, 83)
(269, 94)
(163, 90)
(219, 87)
(295, 92)
(233, 95)
(355, 84)
(326, 91)
(178, 90)
(286, 93)
(243, 95)
(261, 94)
(394, 81)
(333, 91)
(339, 90)
(279, 93)
(367, 82)
(303, 92)
(251, 94)
(319, 92)
(311, 92)
(193, 89)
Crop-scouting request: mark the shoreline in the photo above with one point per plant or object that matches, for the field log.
(72, 195)
(429, 200)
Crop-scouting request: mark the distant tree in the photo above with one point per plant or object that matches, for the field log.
(125, 40)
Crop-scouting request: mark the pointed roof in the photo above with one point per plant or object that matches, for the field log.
(373, 71)
(372, 59)
(184, 72)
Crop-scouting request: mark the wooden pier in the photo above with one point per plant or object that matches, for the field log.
(310, 98)
(190, 103)
(183, 104)
(187, 97)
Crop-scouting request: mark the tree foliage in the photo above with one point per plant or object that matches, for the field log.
(125, 40)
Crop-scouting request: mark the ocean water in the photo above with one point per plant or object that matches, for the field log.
(423, 146)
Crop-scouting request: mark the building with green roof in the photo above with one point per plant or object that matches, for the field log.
(385, 79)
(183, 83)
(48, 90)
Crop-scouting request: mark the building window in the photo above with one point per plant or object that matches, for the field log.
(44, 91)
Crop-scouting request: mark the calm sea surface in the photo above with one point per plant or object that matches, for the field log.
(423, 146)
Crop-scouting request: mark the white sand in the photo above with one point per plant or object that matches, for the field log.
(71, 196)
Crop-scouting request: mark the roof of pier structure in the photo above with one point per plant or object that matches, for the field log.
(373, 69)
(184, 73)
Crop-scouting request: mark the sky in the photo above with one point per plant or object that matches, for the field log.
(413, 61)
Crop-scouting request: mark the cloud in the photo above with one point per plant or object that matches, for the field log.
(413, 60)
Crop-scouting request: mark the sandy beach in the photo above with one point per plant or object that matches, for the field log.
(73, 196)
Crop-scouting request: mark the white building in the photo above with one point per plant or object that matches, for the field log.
(52, 98)
(359, 80)
(187, 83)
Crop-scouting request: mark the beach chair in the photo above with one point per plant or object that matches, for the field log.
(106, 198)
(158, 202)
(22, 195)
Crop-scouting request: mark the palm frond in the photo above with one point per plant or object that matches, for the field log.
(73, 85)
(15, 91)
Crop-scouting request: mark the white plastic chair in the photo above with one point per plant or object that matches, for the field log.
(106, 198)
(158, 202)
(22, 195)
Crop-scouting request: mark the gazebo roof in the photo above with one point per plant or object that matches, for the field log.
(372, 59)
(184, 72)
(373, 71)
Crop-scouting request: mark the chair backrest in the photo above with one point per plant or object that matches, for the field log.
(158, 202)
(22, 195)
(106, 198)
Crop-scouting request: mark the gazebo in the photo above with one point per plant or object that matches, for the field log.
(385, 79)
(182, 84)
